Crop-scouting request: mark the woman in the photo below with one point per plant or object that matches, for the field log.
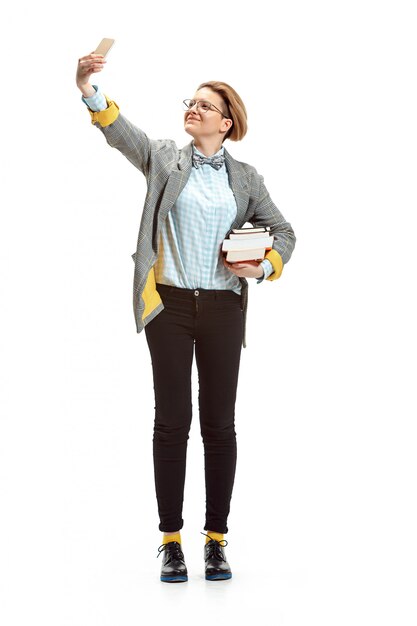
(187, 296)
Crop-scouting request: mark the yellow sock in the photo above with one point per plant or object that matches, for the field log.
(213, 535)
(168, 538)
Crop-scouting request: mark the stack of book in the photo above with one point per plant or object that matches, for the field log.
(247, 244)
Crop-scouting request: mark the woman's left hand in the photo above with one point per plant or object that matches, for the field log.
(248, 269)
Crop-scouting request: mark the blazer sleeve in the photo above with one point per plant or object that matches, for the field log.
(121, 134)
(267, 214)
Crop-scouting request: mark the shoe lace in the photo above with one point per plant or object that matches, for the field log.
(174, 549)
(213, 549)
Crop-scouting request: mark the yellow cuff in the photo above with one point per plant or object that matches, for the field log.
(276, 261)
(107, 116)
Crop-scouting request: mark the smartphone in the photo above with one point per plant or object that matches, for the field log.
(104, 46)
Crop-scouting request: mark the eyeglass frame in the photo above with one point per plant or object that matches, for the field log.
(211, 105)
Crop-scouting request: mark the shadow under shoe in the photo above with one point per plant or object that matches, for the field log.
(216, 565)
(173, 568)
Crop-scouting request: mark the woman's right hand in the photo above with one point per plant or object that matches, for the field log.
(88, 65)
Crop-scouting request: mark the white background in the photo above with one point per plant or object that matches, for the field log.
(323, 513)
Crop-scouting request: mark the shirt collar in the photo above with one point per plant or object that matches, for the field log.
(219, 152)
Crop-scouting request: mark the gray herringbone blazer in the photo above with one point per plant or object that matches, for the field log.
(167, 168)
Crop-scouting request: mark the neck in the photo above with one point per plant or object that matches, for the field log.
(208, 146)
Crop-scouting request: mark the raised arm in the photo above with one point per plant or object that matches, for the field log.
(121, 134)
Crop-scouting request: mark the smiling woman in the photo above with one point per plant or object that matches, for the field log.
(220, 97)
(186, 297)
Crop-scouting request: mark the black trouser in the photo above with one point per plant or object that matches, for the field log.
(212, 320)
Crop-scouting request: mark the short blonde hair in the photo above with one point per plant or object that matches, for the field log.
(235, 109)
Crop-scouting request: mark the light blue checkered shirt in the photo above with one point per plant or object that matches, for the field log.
(191, 237)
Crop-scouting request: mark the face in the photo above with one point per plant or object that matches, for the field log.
(207, 124)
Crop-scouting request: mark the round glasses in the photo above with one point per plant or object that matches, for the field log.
(202, 105)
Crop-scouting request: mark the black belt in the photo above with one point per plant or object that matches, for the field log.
(201, 294)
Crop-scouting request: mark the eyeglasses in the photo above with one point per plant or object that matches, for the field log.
(202, 105)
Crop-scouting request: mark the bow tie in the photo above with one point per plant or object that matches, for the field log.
(215, 161)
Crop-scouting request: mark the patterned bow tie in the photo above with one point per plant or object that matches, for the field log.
(215, 161)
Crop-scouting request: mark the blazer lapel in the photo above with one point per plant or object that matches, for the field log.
(176, 182)
(239, 183)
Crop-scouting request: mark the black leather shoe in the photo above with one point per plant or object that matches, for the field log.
(173, 568)
(217, 567)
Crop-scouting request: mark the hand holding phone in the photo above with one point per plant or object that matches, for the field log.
(93, 62)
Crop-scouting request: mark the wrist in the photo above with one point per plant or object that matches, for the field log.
(87, 90)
